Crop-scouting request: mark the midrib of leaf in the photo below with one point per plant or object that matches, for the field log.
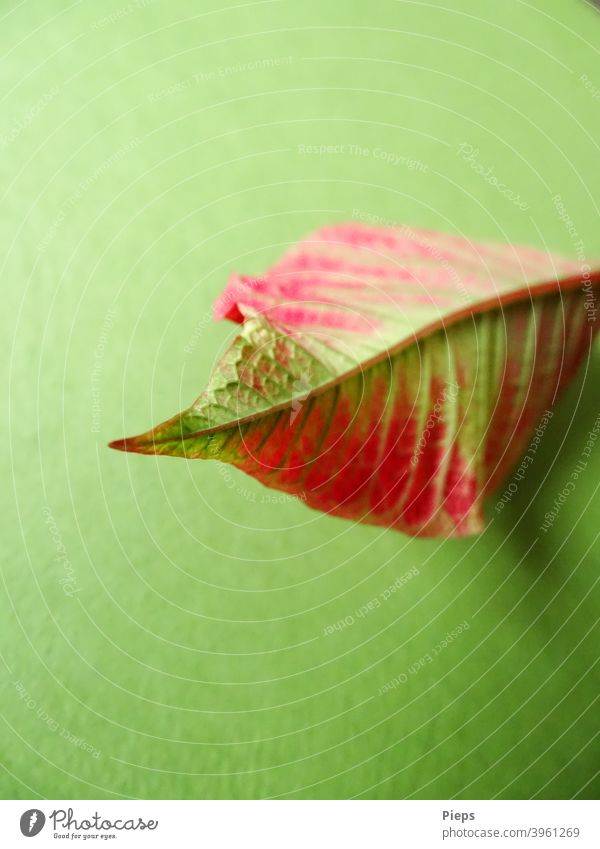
(450, 417)
(178, 428)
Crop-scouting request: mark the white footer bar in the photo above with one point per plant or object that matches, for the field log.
(301, 824)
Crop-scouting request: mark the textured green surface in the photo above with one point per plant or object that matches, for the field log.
(146, 155)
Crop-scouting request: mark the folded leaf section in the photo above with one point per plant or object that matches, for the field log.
(414, 441)
(392, 377)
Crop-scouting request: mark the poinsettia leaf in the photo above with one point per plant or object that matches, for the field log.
(392, 377)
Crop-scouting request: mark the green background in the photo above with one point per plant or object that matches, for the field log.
(147, 150)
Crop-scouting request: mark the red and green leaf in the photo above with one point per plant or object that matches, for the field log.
(391, 377)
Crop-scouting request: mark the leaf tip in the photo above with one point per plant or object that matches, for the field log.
(130, 444)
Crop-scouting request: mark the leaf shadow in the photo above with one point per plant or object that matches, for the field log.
(557, 454)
